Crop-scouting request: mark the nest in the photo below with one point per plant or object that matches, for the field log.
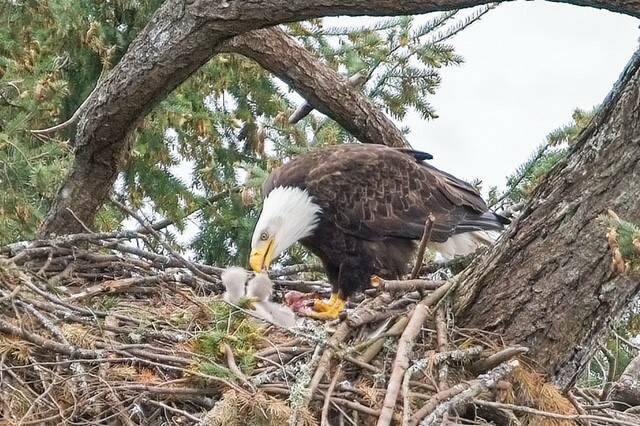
(96, 330)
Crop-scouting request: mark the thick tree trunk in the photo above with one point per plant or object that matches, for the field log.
(181, 37)
(548, 284)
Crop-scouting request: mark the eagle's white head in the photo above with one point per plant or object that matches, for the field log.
(288, 215)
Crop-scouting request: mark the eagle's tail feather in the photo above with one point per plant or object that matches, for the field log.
(465, 243)
(487, 221)
(471, 234)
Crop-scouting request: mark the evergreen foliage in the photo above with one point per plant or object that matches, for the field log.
(51, 55)
(522, 183)
(229, 326)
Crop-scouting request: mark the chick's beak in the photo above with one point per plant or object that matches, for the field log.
(262, 255)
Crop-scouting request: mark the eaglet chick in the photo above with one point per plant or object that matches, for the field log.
(260, 289)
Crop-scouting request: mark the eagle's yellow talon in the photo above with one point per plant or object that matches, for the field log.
(327, 310)
(321, 305)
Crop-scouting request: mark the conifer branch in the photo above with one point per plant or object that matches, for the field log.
(75, 117)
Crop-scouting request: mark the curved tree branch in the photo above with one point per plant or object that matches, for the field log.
(326, 90)
(181, 36)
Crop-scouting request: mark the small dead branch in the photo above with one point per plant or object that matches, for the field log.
(498, 358)
(426, 236)
(69, 350)
(324, 418)
(231, 363)
(305, 109)
(579, 408)
(295, 269)
(73, 120)
(611, 372)
(116, 286)
(632, 421)
(404, 286)
(443, 344)
(374, 346)
(336, 340)
(458, 355)
(405, 344)
(173, 409)
(189, 265)
(434, 411)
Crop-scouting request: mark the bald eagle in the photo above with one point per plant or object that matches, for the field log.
(362, 209)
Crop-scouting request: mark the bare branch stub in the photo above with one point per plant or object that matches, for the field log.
(426, 237)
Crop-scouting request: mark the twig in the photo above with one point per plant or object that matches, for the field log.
(426, 236)
(374, 346)
(340, 401)
(528, 410)
(406, 394)
(435, 410)
(443, 344)
(404, 286)
(579, 408)
(303, 110)
(611, 372)
(164, 223)
(40, 341)
(75, 216)
(76, 115)
(11, 295)
(295, 269)
(370, 311)
(231, 363)
(401, 361)
(163, 390)
(498, 358)
(626, 342)
(189, 265)
(457, 355)
(173, 409)
(114, 286)
(324, 418)
(340, 335)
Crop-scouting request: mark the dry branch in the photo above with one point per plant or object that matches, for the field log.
(443, 344)
(498, 358)
(463, 393)
(405, 286)
(405, 344)
(632, 421)
(426, 237)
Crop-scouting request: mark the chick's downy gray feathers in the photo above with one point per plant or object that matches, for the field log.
(259, 289)
(234, 279)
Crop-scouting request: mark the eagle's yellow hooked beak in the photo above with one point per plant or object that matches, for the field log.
(262, 255)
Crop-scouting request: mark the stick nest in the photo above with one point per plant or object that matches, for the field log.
(98, 331)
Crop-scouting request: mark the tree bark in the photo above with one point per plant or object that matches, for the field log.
(181, 36)
(548, 284)
(627, 389)
(326, 90)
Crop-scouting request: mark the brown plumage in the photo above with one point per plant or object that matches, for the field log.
(375, 201)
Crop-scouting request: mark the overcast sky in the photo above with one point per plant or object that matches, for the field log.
(527, 66)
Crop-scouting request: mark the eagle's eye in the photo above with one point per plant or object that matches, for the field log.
(264, 236)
